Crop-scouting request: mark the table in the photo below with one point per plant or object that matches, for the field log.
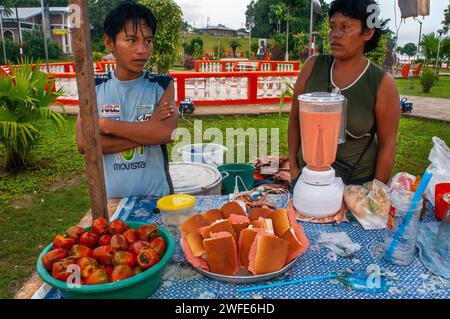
(181, 281)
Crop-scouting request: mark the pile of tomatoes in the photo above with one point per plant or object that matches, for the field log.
(109, 252)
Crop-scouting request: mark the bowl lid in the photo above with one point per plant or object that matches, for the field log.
(176, 202)
(191, 178)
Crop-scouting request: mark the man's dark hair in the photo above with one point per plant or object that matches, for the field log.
(357, 9)
(128, 10)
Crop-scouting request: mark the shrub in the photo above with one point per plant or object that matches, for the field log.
(12, 51)
(188, 62)
(427, 80)
(97, 56)
(54, 51)
(25, 100)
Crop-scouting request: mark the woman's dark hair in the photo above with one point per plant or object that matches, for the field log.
(357, 9)
(128, 10)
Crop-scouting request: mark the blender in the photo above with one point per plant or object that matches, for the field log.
(318, 192)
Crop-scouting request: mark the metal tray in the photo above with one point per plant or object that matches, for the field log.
(244, 276)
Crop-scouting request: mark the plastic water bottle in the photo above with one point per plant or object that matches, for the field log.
(403, 254)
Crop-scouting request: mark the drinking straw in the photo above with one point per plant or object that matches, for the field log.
(285, 283)
(409, 214)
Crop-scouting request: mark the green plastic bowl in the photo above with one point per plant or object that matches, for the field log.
(140, 286)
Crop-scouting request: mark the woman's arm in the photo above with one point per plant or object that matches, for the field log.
(387, 115)
(158, 130)
(294, 125)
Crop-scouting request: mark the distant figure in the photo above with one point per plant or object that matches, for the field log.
(261, 49)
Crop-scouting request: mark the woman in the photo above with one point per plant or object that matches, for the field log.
(373, 109)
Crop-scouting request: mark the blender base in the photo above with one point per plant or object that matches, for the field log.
(318, 201)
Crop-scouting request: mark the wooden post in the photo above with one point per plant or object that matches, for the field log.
(81, 44)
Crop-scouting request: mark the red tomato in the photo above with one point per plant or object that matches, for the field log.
(138, 246)
(121, 272)
(79, 251)
(147, 258)
(100, 226)
(99, 276)
(130, 236)
(59, 269)
(117, 227)
(88, 270)
(109, 270)
(86, 261)
(89, 239)
(147, 232)
(118, 242)
(104, 255)
(62, 242)
(75, 232)
(104, 240)
(124, 258)
(52, 257)
(158, 245)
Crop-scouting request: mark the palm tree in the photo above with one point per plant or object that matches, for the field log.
(429, 44)
(25, 99)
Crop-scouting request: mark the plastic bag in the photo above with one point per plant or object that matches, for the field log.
(369, 204)
(440, 166)
(402, 182)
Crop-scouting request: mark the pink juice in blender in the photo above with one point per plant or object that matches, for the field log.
(320, 134)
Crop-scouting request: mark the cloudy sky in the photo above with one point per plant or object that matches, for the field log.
(232, 14)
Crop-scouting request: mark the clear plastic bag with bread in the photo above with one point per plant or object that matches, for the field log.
(230, 241)
(369, 204)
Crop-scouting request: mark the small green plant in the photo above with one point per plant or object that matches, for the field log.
(428, 79)
(288, 93)
(25, 99)
(97, 56)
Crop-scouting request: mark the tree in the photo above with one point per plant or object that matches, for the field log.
(430, 45)
(410, 49)
(277, 15)
(234, 44)
(98, 10)
(446, 20)
(168, 16)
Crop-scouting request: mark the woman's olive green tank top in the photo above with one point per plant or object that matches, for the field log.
(361, 101)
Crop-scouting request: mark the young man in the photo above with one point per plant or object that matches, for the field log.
(137, 113)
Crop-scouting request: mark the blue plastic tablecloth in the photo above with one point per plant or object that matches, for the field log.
(181, 281)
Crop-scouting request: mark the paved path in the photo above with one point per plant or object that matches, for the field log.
(425, 107)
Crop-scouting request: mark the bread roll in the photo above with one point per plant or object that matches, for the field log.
(222, 255)
(212, 215)
(280, 221)
(268, 254)
(232, 208)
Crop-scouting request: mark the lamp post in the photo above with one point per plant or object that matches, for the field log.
(420, 37)
(250, 24)
(3, 35)
(311, 21)
(218, 46)
(44, 30)
(441, 32)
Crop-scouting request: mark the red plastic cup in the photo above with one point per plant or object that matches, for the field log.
(440, 205)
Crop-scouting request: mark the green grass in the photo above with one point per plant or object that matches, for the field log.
(39, 203)
(413, 87)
